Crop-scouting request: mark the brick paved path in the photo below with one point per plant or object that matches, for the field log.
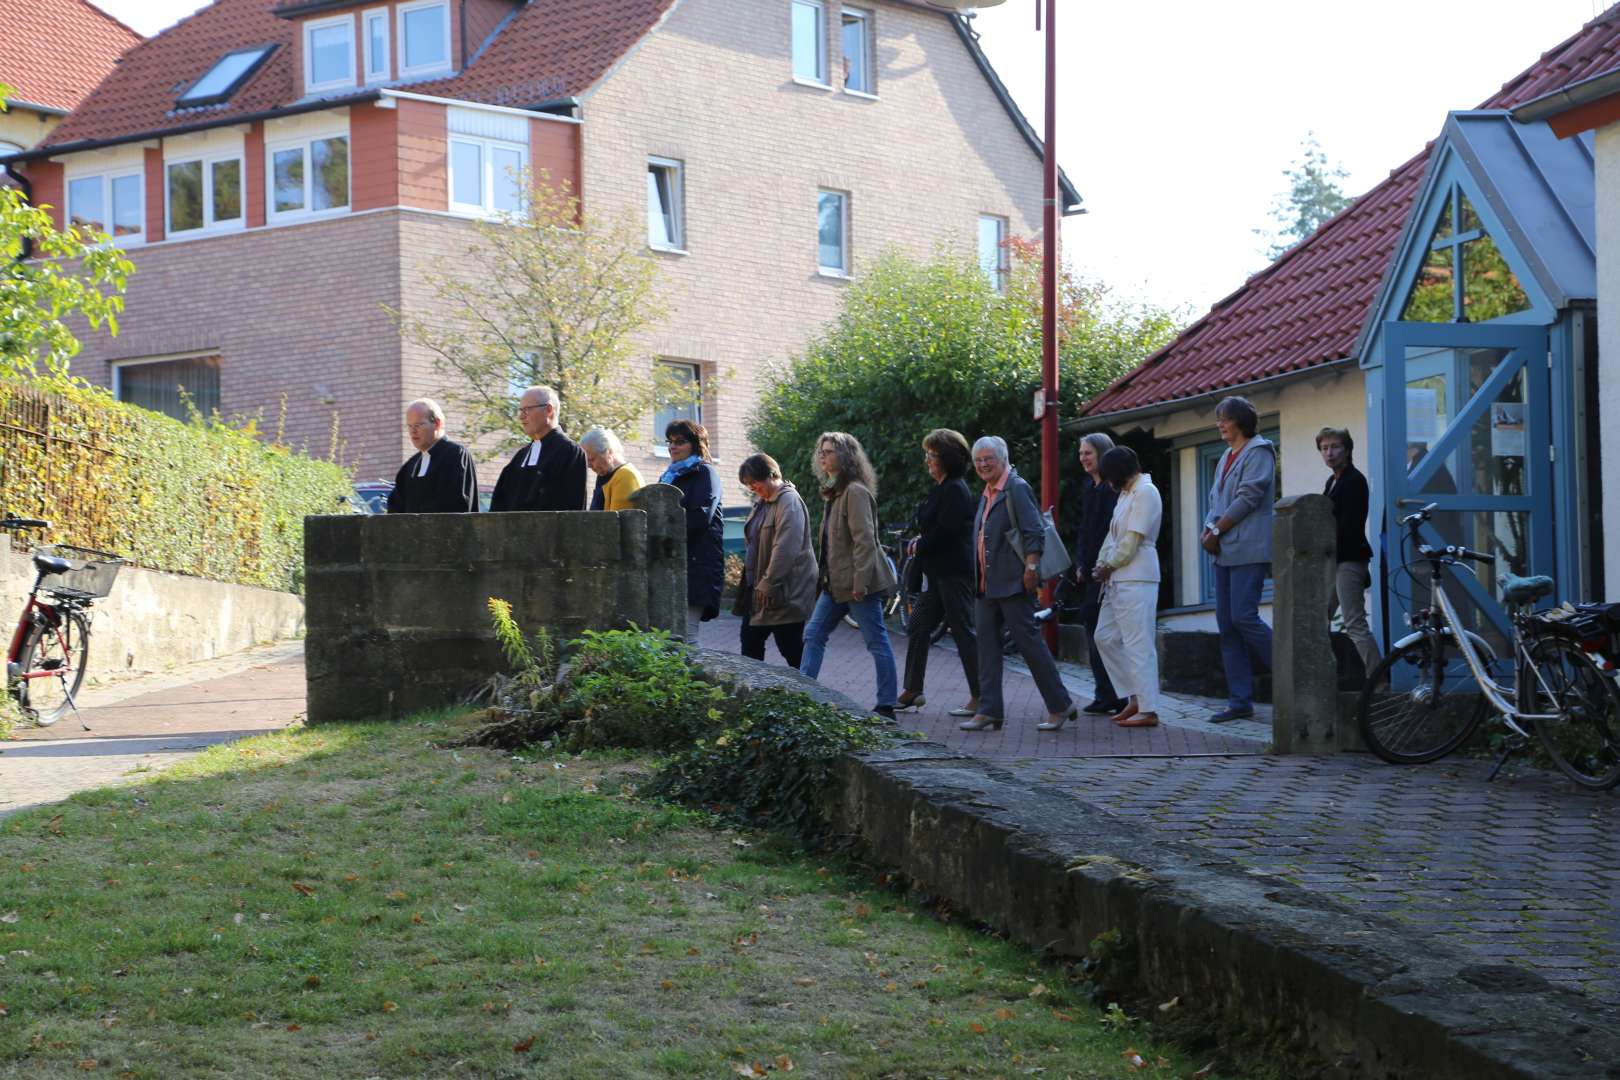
(147, 724)
(1523, 870)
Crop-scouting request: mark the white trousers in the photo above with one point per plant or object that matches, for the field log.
(1128, 642)
(694, 619)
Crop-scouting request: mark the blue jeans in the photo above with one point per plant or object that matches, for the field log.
(869, 615)
(1245, 638)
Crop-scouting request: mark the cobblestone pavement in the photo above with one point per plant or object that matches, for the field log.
(1523, 870)
(147, 724)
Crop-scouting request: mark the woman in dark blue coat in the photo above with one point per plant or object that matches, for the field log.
(1096, 511)
(699, 481)
(944, 551)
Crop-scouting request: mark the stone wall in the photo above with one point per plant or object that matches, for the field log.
(398, 604)
(155, 621)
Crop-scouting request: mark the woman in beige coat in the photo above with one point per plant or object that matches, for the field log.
(778, 587)
(855, 572)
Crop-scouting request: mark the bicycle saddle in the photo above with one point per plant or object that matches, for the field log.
(1524, 590)
(50, 564)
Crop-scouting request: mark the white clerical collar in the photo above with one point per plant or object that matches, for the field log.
(534, 455)
(427, 456)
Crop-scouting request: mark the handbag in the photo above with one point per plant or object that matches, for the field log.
(1054, 556)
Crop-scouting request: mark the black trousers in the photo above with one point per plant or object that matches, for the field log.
(789, 641)
(950, 599)
(1090, 614)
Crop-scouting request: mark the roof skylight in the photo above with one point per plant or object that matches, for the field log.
(225, 77)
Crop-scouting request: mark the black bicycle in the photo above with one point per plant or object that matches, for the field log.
(1439, 683)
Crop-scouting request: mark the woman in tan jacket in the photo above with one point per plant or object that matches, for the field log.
(854, 570)
(779, 570)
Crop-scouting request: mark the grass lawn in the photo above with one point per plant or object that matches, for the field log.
(351, 902)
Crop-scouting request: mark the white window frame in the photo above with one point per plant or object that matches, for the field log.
(823, 77)
(399, 23)
(209, 225)
(998, 277)
(869, 60)
(303, 143)
(106, 180)
(843, 240)
(310, 85)
(677, 194)
(366, 19)
(659, 448)
(486, 186)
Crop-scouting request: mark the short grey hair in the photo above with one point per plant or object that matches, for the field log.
(429, 406)
(992, 442)
(599, 440)
(547, 396)
(1099, 442)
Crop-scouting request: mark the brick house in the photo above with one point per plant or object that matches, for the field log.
(298, 161)
(52, 54)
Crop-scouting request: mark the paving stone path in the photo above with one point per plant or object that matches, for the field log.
(1523, 870)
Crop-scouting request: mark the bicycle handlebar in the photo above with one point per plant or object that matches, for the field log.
(1454, 551)
(23, 523)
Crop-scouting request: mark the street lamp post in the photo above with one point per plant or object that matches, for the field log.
(1050, 218)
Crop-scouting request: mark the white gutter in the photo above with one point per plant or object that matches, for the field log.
(385, 98)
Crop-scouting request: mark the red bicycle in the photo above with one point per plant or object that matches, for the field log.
(46, 662)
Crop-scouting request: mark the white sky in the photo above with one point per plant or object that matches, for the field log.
(1177, 118)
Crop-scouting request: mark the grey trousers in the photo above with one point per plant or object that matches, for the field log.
(1350, 599)
(1017, 613)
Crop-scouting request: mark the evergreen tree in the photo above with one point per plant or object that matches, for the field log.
(1313, 196)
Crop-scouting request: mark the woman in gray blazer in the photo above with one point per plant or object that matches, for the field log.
(1237, 533)
(1005, 588)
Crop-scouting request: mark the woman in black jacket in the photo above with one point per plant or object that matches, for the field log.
(1096, 511)
(699, 481)
(944, 551)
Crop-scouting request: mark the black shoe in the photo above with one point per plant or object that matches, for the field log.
(885, 711)
(1100, 707)
(1226, 715)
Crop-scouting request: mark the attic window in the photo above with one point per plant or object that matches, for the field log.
(226, 76)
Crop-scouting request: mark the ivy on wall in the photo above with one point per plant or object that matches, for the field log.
(201, 498)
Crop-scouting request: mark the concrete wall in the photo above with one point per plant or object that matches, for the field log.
(155, 621)
(398, 604)
(713, 88)
(1608, 403)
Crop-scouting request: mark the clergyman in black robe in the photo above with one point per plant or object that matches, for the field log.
(440, 478)
(549, 472)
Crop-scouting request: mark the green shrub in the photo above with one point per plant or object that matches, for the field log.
(202, 498)
(635, 689)
(773, 766)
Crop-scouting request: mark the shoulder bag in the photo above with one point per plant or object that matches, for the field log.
(1054, 556)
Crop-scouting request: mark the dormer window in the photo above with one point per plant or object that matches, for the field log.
(424, 37)
(225, 77)
(329, 53)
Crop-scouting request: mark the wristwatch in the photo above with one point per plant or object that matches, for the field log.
(1032, 566)
(1215, 531)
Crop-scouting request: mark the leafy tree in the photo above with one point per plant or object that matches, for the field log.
(921, 344)
(75, 271)
(549, 295)
(1313, 197)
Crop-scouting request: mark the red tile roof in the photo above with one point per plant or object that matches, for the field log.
(54, 52)
(1307, 308)
(550, 49)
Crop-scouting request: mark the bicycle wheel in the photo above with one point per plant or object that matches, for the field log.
(1421, 702)
(1583, 738)
(60, 651)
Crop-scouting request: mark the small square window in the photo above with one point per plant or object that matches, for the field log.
(832, 232)
(665, 228)
(424, 38)
(204, 193)
(809, 41)
(329, 53)
(993, 250)
(858, 52)
(106, 204)
(310, 176)
(166, 386)
(689, 378)
(486, 176)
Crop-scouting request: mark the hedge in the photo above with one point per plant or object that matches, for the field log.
(202, 498)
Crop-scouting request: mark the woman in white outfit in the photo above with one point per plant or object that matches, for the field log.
(1128, 567)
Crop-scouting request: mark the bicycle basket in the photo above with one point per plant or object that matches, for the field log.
(90, 576)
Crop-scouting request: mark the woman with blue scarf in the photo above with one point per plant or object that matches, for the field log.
(699, 481)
